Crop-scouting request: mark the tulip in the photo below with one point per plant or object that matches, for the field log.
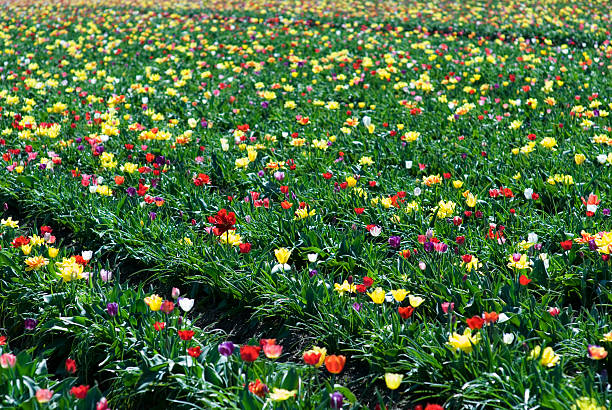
(112, 309)
(320, 353)
(336, 400)
(80, 392)
(272, 351)
(70, 366)
(464, 342)
(8, 360)
(104, 274)
(393, 380)
(597, 352)
(395, 241)
(399, 294)
(258, 388)
(102, 404)
(547, 357)
(415, 301)
(249, 353)
(186, 304)
(44, 395)
(167, 307)
(475, 322)
(405, 312)
(508, 338)
(175, 293)
(335, 364)
(194, 352)
(186, 334)
(311, 358)
(377, 296)
(282, 255)
(226, 349)
(30, 324)
(154, 302)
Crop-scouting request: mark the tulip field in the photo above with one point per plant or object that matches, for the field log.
(319, 204)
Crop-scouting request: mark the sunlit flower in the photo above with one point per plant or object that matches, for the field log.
(587, 403)
(519, 262)
(464, 342)
(154, 302)
(393, 380)
(315, 356)
(281, 394)
(377, 296)
(345, 287)
(547, 357)
(399, 294)
(282, 255)
(36, 262)
(415, 301)
(597, 352)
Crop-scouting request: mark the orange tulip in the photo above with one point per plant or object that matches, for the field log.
(335, 364)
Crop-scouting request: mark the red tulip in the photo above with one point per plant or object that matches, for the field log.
(475, 322)
(249, 353)
(405, 312)
(312, 358)
(71, 366)
(194, 351)
(186, 334)
(80, 392)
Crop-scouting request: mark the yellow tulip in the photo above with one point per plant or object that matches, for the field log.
(415, 301)
(393, 380)
(471, 200)
(52, 252)
(378, 296)
(464, 342)
(154, 302)
(399, 294)
(548, 357)
(282, 255)
(345, 287)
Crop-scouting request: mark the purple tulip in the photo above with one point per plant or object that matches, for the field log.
(112, 309)
(395, 241)
(226, 349)
(30, 324)
(336, 399)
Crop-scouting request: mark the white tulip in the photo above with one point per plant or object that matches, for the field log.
(186, 304)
